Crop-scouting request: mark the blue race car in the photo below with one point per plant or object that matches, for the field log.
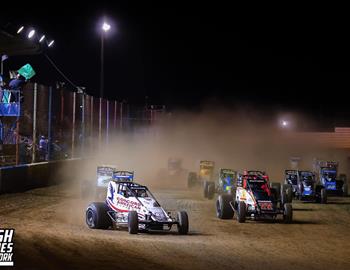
(226, 184)
(307, 188)
(327, 172)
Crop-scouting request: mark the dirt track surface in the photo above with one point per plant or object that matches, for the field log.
(51, 234)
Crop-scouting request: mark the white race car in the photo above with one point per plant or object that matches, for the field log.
(98, 187)
(132, 205)
(254, 199)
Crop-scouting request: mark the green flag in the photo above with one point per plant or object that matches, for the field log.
(27, 71)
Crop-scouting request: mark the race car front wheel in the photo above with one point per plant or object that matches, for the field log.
(287, 213)
(345, 189)
(182, 225)
(211, 190)
(133, 222)
(242, 209)
(223, 207)
(323, 196)
(97, 217)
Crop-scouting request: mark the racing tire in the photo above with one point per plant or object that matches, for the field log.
(183, 224)
(242, 210)
(97, 216)
(323, 196)
(210, 190)
(289, 192)
(345, 189)
(277, 187)
(343, 177)
(287, 213)
(205, 189)
(191, 180)
(133, 222)
(284, 199)
(223, 207)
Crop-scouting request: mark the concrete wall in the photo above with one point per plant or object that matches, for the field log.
(24, 177)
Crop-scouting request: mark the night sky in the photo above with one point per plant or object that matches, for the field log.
(181, 54)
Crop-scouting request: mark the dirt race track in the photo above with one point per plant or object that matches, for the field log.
(51, 234)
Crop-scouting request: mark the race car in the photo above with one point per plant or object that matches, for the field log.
(255, 199)
(305, 187)
(174, 176)
(327, 174)
(206, 173)
(253, 173)
(132, 205)
(225, 184)
(105, 173)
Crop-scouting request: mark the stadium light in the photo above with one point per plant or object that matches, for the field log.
(284, 123)
(51, 43)
(31, 33)
(42, 38)
(106, 27)
(20, 29)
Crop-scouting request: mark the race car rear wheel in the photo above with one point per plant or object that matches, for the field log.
(133, 222)
(182, 219)
(287, 213)
(210, 190)
(283, 199)
(345, 189)
(192, 179)
(205, 189)
(97, 217)
(242, 209)
(289, 192)
(277, 187)
(323, 198)
(223, 207)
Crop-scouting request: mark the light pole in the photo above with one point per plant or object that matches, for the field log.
(105, 28)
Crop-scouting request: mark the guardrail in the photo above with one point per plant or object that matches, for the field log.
(20, 178)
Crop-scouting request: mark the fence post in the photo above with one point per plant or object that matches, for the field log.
(49, 141)
(100, 122)
(121, 115)
(82, 123)
(62, 115)
(115, 115)
(17, 141)
(107, 122)
(34, 122)
(92, 121)
(73, 124)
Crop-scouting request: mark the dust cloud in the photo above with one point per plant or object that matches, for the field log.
(238, 139)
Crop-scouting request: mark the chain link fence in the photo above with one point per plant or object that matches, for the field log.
(55, 123)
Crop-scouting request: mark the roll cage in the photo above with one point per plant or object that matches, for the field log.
(132, 189)
(291, 176)
(307, 177)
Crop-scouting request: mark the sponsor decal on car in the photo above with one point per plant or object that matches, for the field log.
(265, 205)
(128, 203)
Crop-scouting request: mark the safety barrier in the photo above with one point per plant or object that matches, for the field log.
(24, 177)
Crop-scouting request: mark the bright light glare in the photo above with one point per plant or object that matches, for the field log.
(20, 29)
(106, 27)
(284, 123)
(31, 33)
(42, 38)
(51, 43)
